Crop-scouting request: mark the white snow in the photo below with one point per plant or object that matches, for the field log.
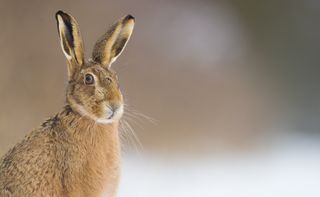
(288, 168)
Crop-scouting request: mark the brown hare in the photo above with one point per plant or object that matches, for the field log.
(77, 151)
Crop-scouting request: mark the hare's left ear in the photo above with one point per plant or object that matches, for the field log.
(70, 38)
(112, 43)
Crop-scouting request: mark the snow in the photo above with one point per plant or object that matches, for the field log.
(289, 168)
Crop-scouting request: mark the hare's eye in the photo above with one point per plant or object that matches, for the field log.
(88, 79)
(109, 79)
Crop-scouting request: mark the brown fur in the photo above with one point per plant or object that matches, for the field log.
(72, 154)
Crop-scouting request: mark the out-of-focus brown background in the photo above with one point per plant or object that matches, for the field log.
(216, 76)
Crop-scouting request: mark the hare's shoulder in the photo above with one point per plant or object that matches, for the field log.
(36, 149)
(40, 140)
(36, 161)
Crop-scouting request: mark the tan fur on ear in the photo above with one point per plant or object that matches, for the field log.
(112, 43)
(70, 40)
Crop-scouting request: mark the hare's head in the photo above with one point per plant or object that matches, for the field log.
(93, 89)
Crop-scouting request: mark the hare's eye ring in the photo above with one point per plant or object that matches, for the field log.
(88, 79)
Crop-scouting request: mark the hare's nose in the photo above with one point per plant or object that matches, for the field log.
(113, 110)
(113, 107)
(117, 110)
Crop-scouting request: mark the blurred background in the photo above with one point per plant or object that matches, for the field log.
(223, 95)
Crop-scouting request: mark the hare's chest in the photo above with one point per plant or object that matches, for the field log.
(102, 170)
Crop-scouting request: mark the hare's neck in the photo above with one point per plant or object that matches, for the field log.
(84, 127)
(100, 139)
(97, 148)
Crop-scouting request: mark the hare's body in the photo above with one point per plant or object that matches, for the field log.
(77, 152)
(67, 156)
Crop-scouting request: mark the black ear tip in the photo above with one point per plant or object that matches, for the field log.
(62, 14)
(129, 17)
(59, 12)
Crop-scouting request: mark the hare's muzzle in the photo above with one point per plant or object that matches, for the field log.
(114, 112)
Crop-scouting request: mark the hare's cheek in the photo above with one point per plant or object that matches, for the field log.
(97, 110)
(117, 97)
(120, 96)
(99, 94)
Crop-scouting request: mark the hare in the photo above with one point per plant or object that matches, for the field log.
(77, 151)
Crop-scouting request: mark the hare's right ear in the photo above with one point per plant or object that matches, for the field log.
(112, 43)
(70, 40)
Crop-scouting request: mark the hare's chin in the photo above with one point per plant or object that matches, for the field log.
(104, 120)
